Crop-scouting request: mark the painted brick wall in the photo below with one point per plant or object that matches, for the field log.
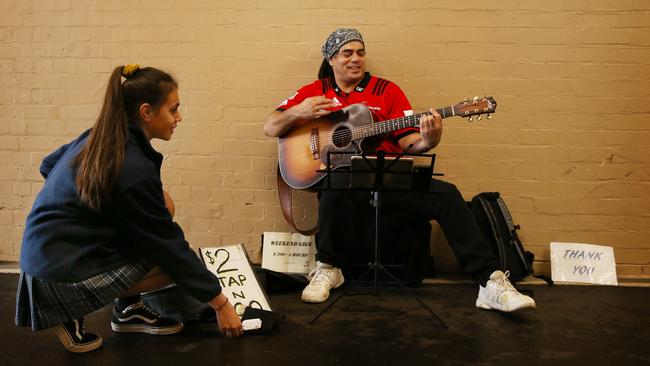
(568, 146)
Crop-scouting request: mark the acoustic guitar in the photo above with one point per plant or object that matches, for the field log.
(302, 151)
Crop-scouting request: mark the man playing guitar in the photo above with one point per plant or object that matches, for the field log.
(343, 81)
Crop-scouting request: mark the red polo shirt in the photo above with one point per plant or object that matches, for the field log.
(384, 99)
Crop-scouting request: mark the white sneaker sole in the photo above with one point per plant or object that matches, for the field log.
(315, 300)
(481, 304)
(146, 329)
(69, 344)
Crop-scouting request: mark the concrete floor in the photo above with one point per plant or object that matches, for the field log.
(573, 325)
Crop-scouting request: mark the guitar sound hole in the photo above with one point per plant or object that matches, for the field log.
(342, 136)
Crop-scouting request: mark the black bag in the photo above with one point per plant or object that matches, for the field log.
(497, 226)
(269, 320)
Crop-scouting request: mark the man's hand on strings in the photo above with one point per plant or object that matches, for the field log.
(430, 129)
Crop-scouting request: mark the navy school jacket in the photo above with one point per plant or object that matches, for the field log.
(63, 241)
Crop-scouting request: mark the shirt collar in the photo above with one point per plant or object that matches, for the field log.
(359, 88)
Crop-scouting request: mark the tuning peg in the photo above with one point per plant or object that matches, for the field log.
(476, 98)
(470, 119)
(488, 116)
(479, 117)
(467, 100)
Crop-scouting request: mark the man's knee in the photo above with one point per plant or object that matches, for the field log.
(444, 188)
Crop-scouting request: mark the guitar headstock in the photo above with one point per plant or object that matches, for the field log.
(476, 106)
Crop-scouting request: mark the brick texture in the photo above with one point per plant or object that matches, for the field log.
(569, 146)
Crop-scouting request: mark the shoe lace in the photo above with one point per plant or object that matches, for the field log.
(504, 283)
(320, 274)
(141, 306)
(150, 311)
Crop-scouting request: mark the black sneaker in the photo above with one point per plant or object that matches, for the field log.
(138, 318)
(74, 337)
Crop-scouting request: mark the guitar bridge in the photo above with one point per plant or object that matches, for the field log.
(314, 143)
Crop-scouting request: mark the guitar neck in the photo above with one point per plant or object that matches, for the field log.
(397, 123)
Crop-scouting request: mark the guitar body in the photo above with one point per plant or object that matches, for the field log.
(303, 149)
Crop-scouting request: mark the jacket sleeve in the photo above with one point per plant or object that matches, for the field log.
(147, 225)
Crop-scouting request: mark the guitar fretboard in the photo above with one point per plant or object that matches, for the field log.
(396, 123)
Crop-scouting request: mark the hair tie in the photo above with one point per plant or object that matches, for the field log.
(129, 70)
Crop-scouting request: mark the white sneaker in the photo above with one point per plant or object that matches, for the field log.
(499, 294)
(323, 278)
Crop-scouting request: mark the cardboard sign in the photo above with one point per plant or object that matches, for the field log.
(230, 263)
(288, 252)
(587, 263)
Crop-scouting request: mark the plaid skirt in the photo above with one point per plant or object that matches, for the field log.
(43, 304)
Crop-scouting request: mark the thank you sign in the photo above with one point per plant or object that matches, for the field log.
(231, 265)
(587, 263)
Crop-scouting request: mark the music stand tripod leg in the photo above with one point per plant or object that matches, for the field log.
(390, 275)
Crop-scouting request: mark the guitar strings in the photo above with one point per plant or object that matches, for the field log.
(338, 137)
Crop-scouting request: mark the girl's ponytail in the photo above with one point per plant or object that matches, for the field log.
(100, 160)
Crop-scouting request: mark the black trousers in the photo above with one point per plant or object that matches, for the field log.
(339, 211)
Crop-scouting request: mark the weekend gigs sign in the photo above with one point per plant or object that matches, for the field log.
(288, 252)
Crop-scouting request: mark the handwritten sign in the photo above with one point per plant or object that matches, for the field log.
(288, 252)
(586, 263)
(238, 282)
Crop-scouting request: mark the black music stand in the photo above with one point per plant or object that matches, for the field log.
(379, 175)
